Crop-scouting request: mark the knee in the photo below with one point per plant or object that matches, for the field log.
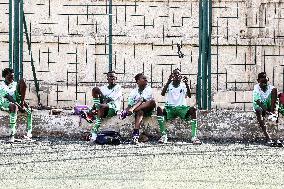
(12, 107)
(159, 111)
(96, 92)
(152, 103)
(192, 111)
(258, 111)
(140, 113)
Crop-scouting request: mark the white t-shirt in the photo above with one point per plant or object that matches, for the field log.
(259, 94)
(135, 95)
(176, 96)
(115, 94)
(9, 89)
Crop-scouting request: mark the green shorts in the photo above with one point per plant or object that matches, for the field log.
(111, 112)
(6, 104)
(173, 112)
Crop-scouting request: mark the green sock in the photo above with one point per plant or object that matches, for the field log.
(30, 121)
(13, 121)
(97, 125)
(193, 123)
(96, 102)
(161, 121)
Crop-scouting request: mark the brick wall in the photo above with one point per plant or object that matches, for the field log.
(70, 46)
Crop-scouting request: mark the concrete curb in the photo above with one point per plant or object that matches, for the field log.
(215, 124)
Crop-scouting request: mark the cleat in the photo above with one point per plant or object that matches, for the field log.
(196, 141)
(272, 117)
(11, 140)
(163, 139)
(135, 139)
(93, 138)
(123, 115)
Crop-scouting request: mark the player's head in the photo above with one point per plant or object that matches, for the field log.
(176, 75)
(8, 74)
(141, 80)
(111, 77)
(262, 79)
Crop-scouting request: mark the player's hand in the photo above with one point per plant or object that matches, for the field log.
(185, 79)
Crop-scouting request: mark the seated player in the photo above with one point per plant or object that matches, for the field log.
(107, 101)
(12, 99)
(140, 102)
(264, 103)
(176, 106)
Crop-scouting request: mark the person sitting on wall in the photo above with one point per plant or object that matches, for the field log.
(107, 102)
(264, 103)
(176, 106)
(12, 99)
(140, 102)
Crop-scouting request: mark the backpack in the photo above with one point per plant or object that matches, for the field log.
(108, 137)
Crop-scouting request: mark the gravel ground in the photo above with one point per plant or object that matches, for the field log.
(74, 164)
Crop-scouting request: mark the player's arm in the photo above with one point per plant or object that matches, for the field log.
(185, 80)
(165, 88)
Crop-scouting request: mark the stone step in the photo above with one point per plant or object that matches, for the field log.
(215, 124)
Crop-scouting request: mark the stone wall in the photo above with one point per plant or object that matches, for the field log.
(70, 46)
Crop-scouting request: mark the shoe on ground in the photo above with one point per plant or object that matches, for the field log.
(196, 141)
(123, 115)
(270, 142)
(93, 138)
(28, 136)
(163, 139)
(279, 143)
(272, 117)
(11, 140)
(135, 139)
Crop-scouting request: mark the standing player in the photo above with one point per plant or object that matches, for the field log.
(264, 102)
(140, 102)
(12, 99)
(107, 101)
(176, 106)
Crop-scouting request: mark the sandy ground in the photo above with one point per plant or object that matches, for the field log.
(76, 164)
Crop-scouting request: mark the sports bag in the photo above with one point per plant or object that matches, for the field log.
(108, 137)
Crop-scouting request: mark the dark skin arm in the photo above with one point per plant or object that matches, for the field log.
(167, 85)
(185, 80)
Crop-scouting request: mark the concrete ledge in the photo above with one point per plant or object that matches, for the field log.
(215, 124)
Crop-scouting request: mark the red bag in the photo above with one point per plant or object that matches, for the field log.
(281, 98)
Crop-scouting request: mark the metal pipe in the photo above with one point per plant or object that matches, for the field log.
(209, 55)
(10, 33)
(199, 87)
(204, 54)
(21, 39)
(16, 40)
(110, 36)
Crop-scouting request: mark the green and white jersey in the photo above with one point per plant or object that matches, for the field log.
(264, 97)
(176, 96)
(136, 95)
(114, 93)
(10, 89)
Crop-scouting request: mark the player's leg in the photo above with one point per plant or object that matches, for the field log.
(138, 120)
(147, 106)
(20, 96)
(259, 116)
(161, 122)
(191, 113)
(13, 120)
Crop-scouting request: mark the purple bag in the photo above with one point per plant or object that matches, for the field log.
(79, 108)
